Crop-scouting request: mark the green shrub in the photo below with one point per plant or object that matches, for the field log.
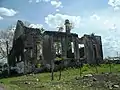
(85, 68)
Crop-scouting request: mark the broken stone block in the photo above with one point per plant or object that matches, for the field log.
(27, 83)
(88, 75)
(110, 87)
(35, 83)
(77, 78)
(115, 86)
(94, 79)
(37, 80)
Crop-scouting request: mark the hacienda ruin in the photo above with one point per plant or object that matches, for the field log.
(35, 49)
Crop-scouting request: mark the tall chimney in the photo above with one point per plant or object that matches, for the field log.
(67, 26)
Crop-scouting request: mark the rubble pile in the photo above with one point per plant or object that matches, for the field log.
(105, 81)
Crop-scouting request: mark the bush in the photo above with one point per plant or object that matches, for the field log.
(85, 67)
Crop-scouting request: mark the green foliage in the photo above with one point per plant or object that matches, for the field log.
(85, 68)
(58, 59)
(45, 83)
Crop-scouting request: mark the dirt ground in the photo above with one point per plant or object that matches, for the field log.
(1, 88)
(104, 81)
(100, 82)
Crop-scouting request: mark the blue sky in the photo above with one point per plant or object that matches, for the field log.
(87, 16)
(36, 12)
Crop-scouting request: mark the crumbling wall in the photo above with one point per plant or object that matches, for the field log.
(93, 49)
(25, 46)
(32, 47)
(48, 50)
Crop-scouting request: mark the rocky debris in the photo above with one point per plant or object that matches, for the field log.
(35, 83)
(105, 81)
(37, 79)
(109, 85)
(88, 75)
(32, 74)
(115, 86)
(77, 78)
(112, 86)
(27, 83)
(94, 82)
(1, 88)
(94, 79)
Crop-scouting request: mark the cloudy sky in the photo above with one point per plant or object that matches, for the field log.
(101, 17)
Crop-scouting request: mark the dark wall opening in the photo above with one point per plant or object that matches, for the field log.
(58, 49)
(95, 53)
(70, 51)
(81, 50)
(70, 54)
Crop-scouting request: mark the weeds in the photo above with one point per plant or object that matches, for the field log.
(67, 75)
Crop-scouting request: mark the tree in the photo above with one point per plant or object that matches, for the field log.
(6, 35)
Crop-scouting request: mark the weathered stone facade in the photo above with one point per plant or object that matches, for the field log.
(32, 47)
(93, 53)
(26, 46)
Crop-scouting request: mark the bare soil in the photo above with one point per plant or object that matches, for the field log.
(105, 81)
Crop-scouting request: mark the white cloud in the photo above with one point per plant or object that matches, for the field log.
(7, 12)
(37, 1)
(111, 45)
(36, 26)
(104, 24)
(108, 27)
(57, 10)
(57, 4)
(94, 17)
(56, 20)
(116, 8)
(115, 4)
(1, 18)
(46, 0)
(113, 27)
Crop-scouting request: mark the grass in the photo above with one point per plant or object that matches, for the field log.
(43, 81)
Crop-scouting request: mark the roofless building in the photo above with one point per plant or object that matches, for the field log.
(32, 47)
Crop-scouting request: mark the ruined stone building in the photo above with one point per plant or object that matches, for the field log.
(70, 43)
(33, 47)
(26, 46)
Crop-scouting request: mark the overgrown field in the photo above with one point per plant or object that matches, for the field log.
(92, 78)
